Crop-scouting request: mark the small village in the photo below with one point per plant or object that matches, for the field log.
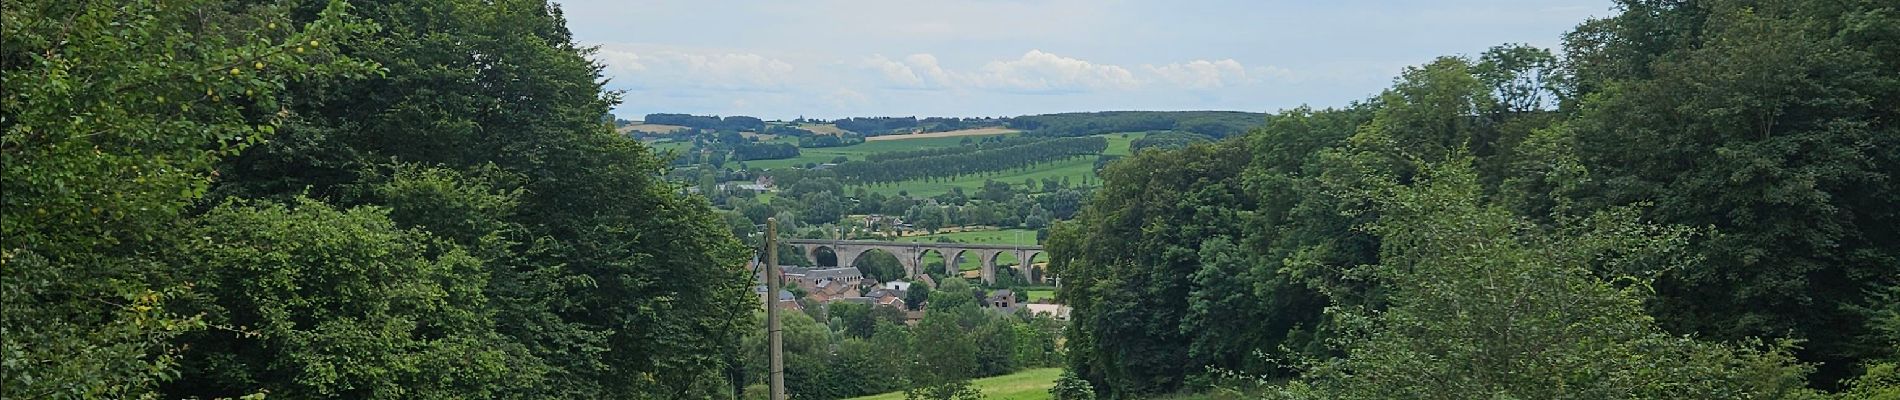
(821, 286)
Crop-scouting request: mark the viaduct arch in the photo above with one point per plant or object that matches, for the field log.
(911, 255)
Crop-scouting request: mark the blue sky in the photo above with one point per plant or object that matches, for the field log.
(837, 58)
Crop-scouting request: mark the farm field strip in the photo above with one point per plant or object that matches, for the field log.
(955, 133)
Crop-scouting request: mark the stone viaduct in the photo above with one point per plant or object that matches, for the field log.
(911, 255)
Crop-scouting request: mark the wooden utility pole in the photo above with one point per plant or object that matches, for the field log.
(772, 327)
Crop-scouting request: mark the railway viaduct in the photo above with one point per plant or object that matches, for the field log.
(911, 255)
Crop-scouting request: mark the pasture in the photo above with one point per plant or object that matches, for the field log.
(1030, 384)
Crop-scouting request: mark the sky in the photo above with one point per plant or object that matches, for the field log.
(847, 58)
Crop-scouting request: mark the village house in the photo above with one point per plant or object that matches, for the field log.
(884, 296)
(824, 284)
(1057, 311)
(786, 300)
(1002, 300)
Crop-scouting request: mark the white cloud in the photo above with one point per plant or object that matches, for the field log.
(620, 62)
(926, 65)
(672, 68)
(845, 99)
(899, 74)
(917, 71)
(1037, 71)
(1043, 72)
(1202, 74)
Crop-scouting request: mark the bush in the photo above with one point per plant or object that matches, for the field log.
(1071, 387)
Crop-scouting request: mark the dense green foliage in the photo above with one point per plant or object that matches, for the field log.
(413, 199)
(1721, 170)
(1485, 304)
(731, 123)
(1217, 124)
(114, 115)
(863, 350)
(1166, 140)
(873, 126)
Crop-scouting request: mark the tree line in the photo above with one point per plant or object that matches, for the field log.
(711, 122)
(966, 146)
(1216, 124)
(748, 151)
(1693, 201)
(818, 141)
(308, 199)
(974, 161)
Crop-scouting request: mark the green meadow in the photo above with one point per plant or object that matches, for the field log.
(1031, 384)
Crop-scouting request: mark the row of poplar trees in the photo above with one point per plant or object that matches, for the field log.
(1696, 199)
(411, 199)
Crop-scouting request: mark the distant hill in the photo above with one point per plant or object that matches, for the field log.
(1214, 124)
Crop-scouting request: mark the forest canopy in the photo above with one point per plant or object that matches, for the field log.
(1690, 192)
(221, 199)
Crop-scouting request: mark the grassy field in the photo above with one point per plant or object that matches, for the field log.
(671, 145)
(1079, 170)
(1031, 384)
(1041, 294)
(1118, 142)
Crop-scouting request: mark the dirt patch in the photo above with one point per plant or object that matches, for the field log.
(823, 129)
(961, 132)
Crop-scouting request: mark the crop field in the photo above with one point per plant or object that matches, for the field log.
(823, 155)
(955, 133)
(827, 129)
(1079, 170)
(652, 128)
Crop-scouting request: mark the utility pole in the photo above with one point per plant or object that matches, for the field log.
(772, 327)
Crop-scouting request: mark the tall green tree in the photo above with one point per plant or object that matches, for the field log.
(113, 117)
(1500, 307)
(616, 283)
(1772, 123)
(310, 301)
(1128, 264)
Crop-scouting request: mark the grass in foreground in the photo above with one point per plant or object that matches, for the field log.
(1032, 384)
(1041, 294)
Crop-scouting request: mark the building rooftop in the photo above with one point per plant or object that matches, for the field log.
(823, 274)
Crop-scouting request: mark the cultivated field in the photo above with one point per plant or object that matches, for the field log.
(823, 155)
(955, 133)
(1078, 170)
(652, 128)
(827, 129)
